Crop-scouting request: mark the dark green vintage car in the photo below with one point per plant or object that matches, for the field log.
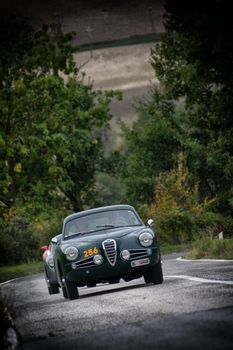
(103, 245)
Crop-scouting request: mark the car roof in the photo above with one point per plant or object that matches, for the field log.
(97, 210)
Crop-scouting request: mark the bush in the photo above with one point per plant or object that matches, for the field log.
(21, 235)
(177, 210)
(227, 223)
(18, 243)
(208, 247)
(174, 227)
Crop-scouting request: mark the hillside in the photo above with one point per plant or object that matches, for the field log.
(92, 20)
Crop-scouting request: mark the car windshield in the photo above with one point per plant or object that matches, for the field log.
(102, 220)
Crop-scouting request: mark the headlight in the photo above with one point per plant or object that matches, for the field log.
(125, 254)
(51, 263)
(98, 259)
(146, 239)
(71, 253)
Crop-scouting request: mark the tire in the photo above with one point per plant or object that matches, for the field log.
(72, 290)
(61, 281)
(154, 274)
(113, 281)
(64, 292)
(53, 288)
(91, 284)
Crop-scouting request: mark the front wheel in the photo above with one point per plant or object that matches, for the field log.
(72, 290)
(64, 292)
(53, 288)
(154, 274)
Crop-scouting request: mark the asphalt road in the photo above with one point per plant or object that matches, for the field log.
(192, 309)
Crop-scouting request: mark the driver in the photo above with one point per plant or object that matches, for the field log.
(79, 226)
(117, 219)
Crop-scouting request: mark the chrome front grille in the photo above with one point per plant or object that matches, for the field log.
(138, 253)
(109, 247)
(88, 262)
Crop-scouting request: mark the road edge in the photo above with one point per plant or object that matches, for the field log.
(207, 260)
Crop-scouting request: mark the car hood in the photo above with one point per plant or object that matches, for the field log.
(100, 236)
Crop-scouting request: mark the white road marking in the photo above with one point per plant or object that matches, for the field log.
(208, 260)
(198, 279)
(6, 282)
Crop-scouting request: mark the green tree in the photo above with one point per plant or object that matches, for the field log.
(151, 146)
(193, 63)
(51, 120)
(179, 213)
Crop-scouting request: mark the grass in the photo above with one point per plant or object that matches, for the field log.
(211, 248)
(10, 272)
(175, 248)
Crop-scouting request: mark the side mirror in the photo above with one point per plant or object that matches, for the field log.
(54, 240)
(44, 248)
(150, 223)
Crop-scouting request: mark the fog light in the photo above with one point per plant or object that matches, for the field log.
(125, 254)
(98, 259)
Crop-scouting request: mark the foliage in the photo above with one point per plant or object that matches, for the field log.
(167, 248)
(190, 114)
(51, 120)
(178, 212)
(18, 241)
(21, 234)
(209, 247)
(15, 271)
(108, 190)
(193, 62)
(52, 123)
(151, 147)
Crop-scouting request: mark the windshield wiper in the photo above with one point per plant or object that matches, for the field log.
(134, 225)
(106, 225)
(112, 226)
(80, 233)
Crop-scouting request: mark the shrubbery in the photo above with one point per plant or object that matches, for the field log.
(21, 235)
(17, 241)
(208, 247)
(179, 213)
